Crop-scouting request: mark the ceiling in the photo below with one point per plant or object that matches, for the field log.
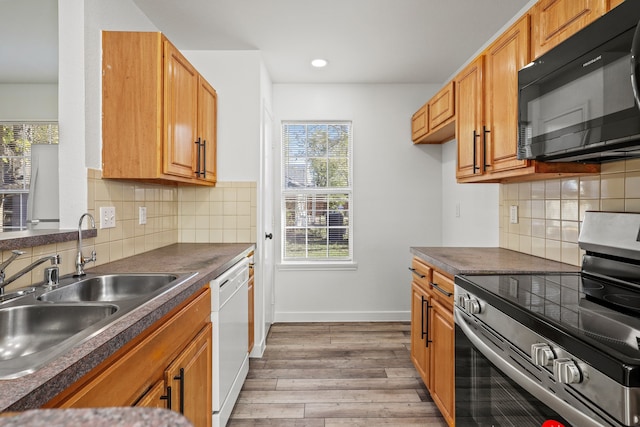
(365, 41)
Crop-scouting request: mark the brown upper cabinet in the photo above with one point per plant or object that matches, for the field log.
(487, 122)
(487, 115)
(159, 114)
(469, 118)
(434, 122)
(553, 21)
(420, 123)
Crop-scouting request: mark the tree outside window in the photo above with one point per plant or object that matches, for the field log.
(317, 193)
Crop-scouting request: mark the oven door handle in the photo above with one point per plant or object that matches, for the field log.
(635, 66)
(518, 375)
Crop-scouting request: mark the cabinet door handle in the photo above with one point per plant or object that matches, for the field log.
(476, 135)
(167, 397)
(426, 316)
(413, 270)
(485, 131)
(442, 291)
(204, 158)
(422, 324)
(198, 162)
(181, 378)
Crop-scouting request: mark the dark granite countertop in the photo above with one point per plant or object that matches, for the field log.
(459, 260)
(97, 417)
(28, 238)
(208, 260)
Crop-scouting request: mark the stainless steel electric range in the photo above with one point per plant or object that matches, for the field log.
(560, 348)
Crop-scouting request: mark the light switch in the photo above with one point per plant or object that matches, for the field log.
(142, 215)
(107, 217)
(513, 214)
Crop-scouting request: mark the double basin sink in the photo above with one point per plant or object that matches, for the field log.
(42, 323)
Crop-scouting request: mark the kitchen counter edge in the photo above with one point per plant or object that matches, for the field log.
(487, 260)
(208, 260)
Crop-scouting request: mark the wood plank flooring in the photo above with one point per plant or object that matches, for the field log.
(335, 375)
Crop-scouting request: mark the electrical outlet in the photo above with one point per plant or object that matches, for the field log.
(142, 215)
(107, 217)
(513, 214)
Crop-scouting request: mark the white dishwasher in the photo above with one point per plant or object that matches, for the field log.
(230, 319)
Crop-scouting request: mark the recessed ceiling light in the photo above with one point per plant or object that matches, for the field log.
(319, 63)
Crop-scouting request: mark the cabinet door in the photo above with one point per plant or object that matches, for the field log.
(156, 397)
(180, 113)
(189, 377)
(419, 123)
(207, 131)
(442, 333)
(503, 59)
(419, 322)
(469, 118)
(553, 21)
(442, 106)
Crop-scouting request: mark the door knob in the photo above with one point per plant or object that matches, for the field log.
(268, 235)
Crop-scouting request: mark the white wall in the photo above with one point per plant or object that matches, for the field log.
(397, 193)
(477, 224)
(71, 112)
(37, 102)
(80, 23)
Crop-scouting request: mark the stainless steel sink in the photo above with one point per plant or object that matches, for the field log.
(109, 288)
(28, 329)
(40, 324)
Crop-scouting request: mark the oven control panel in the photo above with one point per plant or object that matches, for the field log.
(469, 303)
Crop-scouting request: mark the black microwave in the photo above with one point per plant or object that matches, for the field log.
(580, 100)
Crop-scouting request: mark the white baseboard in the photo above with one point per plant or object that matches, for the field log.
(259, 348)
(343, 316)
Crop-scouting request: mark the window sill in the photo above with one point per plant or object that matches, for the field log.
(318, 266)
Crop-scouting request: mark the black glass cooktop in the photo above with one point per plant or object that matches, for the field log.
(594, 319)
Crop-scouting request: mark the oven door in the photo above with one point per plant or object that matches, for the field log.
(485, 396)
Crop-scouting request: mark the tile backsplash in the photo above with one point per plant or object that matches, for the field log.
(550, 212)
(226, 213)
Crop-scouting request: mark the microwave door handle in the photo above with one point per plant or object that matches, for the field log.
(635, 65)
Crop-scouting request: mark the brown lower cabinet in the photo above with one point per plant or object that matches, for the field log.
(168, 366)
(432, 334)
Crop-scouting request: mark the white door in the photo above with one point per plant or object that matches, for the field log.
(268, 225)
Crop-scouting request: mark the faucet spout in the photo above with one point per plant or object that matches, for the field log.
(4, 265)
(80, 259)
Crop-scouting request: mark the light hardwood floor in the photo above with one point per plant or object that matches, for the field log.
(335, 375)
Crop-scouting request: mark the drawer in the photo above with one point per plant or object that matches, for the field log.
(422, 273)
(443, 288)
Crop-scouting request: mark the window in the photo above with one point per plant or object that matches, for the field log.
(15, 161)
(317, 192)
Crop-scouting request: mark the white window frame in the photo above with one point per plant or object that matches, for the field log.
(21, 191)
(306, 263)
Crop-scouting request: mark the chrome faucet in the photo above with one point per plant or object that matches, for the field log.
(80, 259)
(51, 274)
(4, 265)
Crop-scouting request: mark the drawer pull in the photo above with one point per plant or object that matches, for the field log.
(167, 397)
(442, 291)
(413, 270)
